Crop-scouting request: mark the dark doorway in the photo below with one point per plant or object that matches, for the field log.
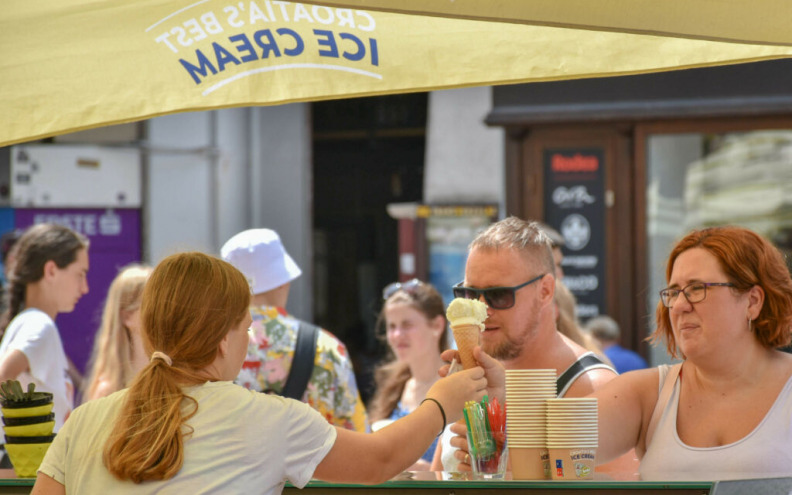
(367, 153)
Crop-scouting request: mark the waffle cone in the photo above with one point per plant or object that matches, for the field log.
(466, 337)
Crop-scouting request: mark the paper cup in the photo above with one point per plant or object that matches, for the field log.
(528, 463)
(572, 463)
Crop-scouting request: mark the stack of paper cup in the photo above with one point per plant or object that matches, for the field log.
(572, 437)
(526, 394)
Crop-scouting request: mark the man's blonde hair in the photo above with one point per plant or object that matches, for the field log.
(521, 235)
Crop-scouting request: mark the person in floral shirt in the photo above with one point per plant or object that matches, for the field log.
(332, 390)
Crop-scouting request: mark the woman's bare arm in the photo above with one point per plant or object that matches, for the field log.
(625, 407)
(379, 456)
(46, 485)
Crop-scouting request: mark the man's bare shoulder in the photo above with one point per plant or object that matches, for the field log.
(641, 382)
(590, 381)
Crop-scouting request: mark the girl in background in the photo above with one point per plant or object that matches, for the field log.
(48, 277)
(118, 352)
(415, 322)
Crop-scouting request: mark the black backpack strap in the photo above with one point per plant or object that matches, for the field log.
(583, 364)
(303, 361)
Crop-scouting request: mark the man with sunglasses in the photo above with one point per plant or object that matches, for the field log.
(510, 267)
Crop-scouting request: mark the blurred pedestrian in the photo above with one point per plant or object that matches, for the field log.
(415, 329)
(48, 278)
(319, 372)
(607, 332)
(118, 352)
(568, 324)
(556, 243)
(7, 252)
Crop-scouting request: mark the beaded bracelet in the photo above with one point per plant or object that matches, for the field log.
(442, 411)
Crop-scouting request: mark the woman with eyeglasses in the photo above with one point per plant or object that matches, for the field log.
(183, 426)
(415, 329)
(724, 411)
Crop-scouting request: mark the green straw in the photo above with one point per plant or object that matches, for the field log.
(472, 442)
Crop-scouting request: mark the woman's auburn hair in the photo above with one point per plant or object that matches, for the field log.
(189, 304)
(748, 260)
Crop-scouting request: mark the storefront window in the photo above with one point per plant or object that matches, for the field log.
(697, 180)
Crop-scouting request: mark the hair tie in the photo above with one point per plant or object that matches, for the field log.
(163, 356)
(442, 412)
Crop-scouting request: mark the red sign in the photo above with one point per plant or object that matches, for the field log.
(574, 163)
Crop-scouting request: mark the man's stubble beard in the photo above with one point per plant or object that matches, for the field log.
(508, 349)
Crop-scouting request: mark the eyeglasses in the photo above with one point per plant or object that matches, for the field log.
(695, 292)
(408, 287)
(496, 297)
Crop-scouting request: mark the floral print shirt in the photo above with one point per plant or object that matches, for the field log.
(332, 389)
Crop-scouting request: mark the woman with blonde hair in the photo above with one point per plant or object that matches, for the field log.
(568, 324)
(118, 352)
(183, 426)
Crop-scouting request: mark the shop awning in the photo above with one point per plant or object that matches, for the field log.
(69, 65)
(759, 22)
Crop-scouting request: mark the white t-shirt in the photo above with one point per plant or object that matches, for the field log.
(763, 453)
(243, 442)
(34, 334)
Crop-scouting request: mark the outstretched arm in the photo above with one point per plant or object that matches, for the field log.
(496, 388)
(625, 407)
(46, 485)
(13, 364)
(377, 457)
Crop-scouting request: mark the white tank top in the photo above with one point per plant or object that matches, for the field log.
(764, 453)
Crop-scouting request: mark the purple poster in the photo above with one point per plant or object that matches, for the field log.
(115, 242)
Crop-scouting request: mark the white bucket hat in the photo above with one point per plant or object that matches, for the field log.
(260, 256)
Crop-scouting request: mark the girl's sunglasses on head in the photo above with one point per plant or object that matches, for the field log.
(408, 287)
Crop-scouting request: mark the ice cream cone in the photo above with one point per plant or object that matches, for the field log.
(466, 337)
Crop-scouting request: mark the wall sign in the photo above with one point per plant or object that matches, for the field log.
(574, 185)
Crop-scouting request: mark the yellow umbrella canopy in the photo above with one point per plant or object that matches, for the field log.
(69, 65)
(758, 22)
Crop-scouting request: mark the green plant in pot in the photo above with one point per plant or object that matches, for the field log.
(18, 403)
(28, 422)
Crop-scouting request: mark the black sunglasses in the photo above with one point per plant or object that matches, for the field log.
(496, 297)
(408, 287)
